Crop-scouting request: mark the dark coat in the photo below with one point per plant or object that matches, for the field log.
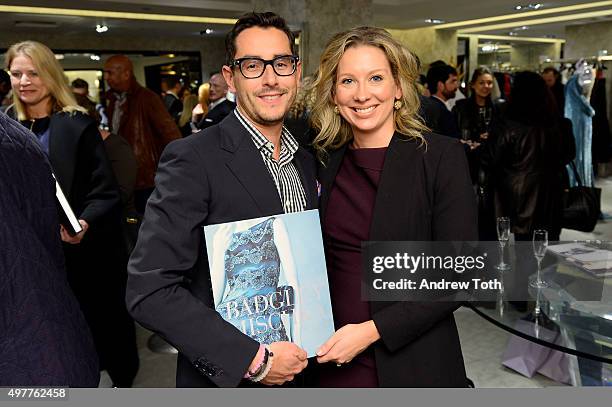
(216, 176)
(96, 267)
(215, 115)
(174, 106)
(44, 339)
(525, 166)
(424, 194)
(445, 124)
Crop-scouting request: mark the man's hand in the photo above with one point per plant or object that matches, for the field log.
(76, 239)
(348, 342)
(289, 360)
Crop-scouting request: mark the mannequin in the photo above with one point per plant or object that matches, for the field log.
(580, 112)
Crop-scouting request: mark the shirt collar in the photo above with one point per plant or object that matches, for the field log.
(288, 143)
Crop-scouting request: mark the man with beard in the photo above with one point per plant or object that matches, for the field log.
(219, 106)
(245, 167)
(442, 84)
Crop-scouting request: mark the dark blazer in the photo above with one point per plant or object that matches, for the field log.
(80, 164)
(446, 123)
(424, 194)
(214, 176)
(215, 115)
(429, 112)
(173, 105)
(44, 339)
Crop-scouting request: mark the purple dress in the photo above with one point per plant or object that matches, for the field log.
(346, 225)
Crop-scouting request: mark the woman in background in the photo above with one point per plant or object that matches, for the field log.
(384, 177)
(44, 103)
(526, 157)
(474, 117)
(201, 109)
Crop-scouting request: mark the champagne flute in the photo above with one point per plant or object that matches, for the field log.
(540, 244)
(503, 235)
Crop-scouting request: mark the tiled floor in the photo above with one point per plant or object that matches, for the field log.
(482, 343)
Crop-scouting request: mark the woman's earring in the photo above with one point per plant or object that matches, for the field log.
(336, 110)
(397, 105)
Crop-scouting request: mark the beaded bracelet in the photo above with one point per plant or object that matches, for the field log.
(268, 359)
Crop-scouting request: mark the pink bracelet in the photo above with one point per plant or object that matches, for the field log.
(261, 353)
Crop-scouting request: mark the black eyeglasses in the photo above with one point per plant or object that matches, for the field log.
(251, 67)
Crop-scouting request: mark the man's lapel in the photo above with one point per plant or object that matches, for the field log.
(248, 166)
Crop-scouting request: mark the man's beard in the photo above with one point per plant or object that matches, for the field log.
(448, 94)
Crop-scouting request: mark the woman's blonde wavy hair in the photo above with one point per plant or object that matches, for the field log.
(333, 131)
(51, 74)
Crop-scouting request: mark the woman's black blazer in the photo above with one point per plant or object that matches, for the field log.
(424, 193)
(80, 164)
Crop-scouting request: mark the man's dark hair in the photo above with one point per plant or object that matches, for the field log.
(438, 73)
(249, 20)
(79, 83)
(4, 76)
(171, 81)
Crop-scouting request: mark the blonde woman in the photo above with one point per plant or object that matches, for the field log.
(201, 109)
(384, 177)
(44, 104)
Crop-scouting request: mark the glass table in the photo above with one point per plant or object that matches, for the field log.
(556, 320)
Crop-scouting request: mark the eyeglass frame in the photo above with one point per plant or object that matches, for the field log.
(237, 62)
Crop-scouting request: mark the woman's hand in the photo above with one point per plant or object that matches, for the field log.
(348, 342)
(76, 239)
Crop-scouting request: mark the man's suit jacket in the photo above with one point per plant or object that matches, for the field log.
(446, 124)
(424, 194)
(174, 106)
(214, 176)
(216, 114)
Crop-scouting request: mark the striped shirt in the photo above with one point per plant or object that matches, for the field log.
(284, 172)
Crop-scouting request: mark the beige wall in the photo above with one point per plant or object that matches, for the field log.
(429, 44)
(528, 56)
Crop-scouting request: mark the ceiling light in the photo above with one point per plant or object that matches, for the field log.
(514, 16)
(115, 14)
(540, 40)
(59, 56)
(434, 21)
(512, 33)
(544, 20)
(101, 28)
(208, 31)
(94, 57)
(530, 6)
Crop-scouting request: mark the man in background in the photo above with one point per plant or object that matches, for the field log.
(172, 87)
(442, 84)
(552, 77)
(138, 115)
(219, 106)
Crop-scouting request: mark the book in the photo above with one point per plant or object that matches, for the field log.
(67, 217)
(269, 278)
(597, 262)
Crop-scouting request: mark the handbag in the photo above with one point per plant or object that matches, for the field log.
(581, 206)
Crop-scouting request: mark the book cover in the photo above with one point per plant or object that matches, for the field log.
(269, 278)
(67, 217)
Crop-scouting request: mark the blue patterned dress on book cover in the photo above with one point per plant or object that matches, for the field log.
(253, 301)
